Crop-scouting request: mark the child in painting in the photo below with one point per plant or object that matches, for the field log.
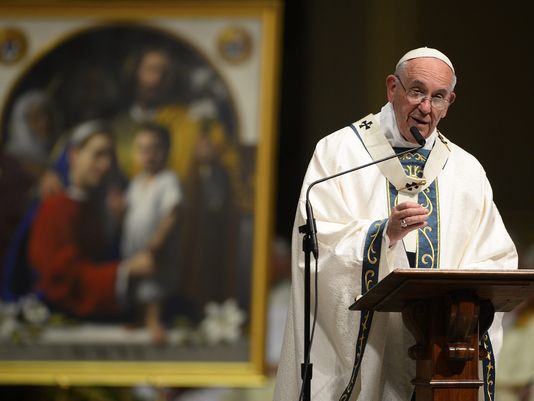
(152, 201)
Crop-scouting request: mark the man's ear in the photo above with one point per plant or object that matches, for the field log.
(391, 85)
(452, 98)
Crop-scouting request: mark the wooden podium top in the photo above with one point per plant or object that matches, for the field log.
(504, 288)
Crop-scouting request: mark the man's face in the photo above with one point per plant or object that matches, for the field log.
(92, 161)
(153, 77)
(429, 76)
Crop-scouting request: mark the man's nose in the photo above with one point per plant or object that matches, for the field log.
(426, 105)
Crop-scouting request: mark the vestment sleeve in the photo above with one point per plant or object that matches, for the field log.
(490, 245)
(341, 231)
(343, 222)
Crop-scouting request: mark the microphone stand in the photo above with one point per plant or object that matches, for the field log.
(309, 246)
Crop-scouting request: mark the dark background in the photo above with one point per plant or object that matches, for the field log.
(336, 56)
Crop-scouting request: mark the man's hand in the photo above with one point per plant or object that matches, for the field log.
(405, 217)
(141, 264)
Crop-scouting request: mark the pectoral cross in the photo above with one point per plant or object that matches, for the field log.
(414, 185)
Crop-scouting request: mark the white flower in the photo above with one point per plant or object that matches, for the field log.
(222, 322)
(10, 309)
(34, 311)
(8, 326)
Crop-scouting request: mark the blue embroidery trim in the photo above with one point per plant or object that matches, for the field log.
(488, 367)
(371, 260)
(428, 247)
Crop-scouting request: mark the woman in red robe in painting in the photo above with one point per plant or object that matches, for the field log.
(67, 240)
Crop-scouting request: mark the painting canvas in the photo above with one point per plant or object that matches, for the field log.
(136, 162)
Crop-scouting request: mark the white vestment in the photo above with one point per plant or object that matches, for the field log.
(471, 236)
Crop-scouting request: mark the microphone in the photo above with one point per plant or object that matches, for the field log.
(417, 136)
(312, 228)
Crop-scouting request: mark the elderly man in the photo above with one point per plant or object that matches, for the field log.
(430, 208)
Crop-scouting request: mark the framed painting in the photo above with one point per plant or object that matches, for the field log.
(137, 149)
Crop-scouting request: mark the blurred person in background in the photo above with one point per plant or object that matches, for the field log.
(516, 370)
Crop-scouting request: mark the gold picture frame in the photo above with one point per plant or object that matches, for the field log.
(239, 42)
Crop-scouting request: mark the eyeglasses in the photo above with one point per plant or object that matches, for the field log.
(416, 97)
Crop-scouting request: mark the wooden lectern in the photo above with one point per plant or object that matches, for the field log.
(447, 311)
